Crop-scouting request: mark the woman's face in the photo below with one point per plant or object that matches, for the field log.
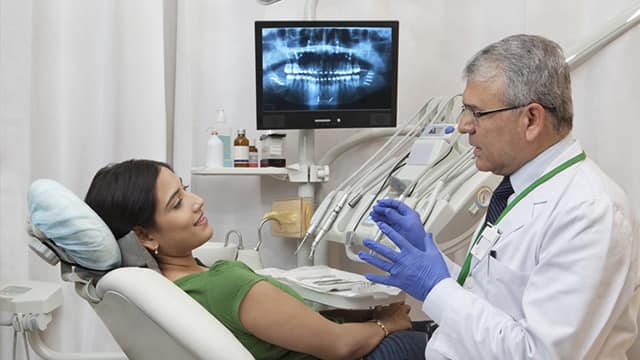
(180, 222)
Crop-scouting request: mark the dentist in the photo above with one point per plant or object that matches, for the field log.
(552, 272)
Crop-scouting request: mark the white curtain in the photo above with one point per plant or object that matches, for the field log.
(81, 85)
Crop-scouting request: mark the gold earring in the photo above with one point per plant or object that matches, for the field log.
(155, 251)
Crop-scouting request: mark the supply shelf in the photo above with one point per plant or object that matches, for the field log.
(239, 171)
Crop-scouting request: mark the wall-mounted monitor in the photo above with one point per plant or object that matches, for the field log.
(326, 74)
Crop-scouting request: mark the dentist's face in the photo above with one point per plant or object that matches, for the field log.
(495, 137)
(181, 225)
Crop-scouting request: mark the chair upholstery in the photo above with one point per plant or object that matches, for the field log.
(151, 318)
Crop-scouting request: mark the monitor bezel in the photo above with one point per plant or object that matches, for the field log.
(317, 119)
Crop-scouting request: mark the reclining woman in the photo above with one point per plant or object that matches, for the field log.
(269, 318)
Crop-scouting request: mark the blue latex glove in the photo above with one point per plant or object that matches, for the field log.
(411, 269)
(402, 219)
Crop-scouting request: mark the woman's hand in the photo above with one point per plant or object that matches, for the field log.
(266, 311)
(394, 317)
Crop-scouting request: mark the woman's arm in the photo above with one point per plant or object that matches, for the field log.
(275, 317)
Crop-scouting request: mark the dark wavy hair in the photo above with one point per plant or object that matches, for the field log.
(123, 194)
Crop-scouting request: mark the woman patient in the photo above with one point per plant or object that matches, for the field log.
(269, 318)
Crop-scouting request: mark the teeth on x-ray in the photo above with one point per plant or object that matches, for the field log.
(325, 67)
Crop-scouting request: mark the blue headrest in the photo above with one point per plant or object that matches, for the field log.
(72, 225)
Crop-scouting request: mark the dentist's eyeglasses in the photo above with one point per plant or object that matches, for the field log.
(476, 114)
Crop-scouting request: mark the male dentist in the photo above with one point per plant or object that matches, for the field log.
(553, 270)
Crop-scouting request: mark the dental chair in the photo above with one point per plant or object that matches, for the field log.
(148, 315)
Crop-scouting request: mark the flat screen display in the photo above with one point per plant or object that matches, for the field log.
(326, 74)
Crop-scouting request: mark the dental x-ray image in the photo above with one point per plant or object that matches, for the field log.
(323, 68)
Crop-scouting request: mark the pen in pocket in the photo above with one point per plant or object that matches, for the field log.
(493, 254)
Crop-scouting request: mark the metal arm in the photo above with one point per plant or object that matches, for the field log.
(615, 28)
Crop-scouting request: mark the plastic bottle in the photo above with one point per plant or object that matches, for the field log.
(253, 154)
(241, 150)
(215, 151)
(224, 133)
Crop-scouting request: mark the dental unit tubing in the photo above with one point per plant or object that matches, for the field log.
(327, 225)
(442, 153)
(318, 215)
(374, 180)
(346, 184)
(360, 195)
(405, 141)
(439, 180)
(442, 173)
(432, 201)
(372, 172)
(355, 140)
(439, 154)
(457, 182)
(379, 169)
(362, 182)
(383, 148)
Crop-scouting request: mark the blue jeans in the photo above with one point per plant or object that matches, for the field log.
(403, 345)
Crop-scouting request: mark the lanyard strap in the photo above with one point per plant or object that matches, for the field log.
(464, 272)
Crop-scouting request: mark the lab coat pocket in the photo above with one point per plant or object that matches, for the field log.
(506, 287)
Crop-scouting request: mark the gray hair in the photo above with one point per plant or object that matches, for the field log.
(534, 70)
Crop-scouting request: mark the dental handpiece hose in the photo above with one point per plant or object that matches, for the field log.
(328, 223)
(379, 234)
(446, 151)
(409, 189)
(317, 217)
(417, 118)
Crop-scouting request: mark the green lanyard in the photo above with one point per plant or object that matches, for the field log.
(464, 272)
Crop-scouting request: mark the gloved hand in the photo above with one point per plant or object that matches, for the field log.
(401, 218)
(411, 269)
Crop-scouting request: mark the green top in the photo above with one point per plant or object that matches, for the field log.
(221, 289)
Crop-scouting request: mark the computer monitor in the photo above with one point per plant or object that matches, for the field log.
(326, 74)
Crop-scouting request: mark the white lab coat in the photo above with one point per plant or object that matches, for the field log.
(564, 281)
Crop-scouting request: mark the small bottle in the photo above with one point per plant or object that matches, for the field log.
(224, 133)
(253, 154)
(241, 150)
(215, 151)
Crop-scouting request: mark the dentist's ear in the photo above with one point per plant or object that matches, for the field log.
(535, 118)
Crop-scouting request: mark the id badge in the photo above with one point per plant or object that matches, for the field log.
(489, 236)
